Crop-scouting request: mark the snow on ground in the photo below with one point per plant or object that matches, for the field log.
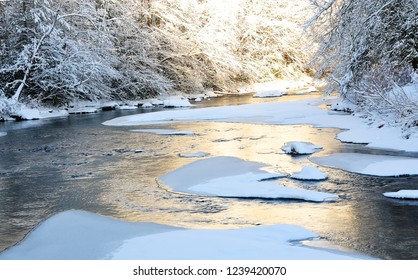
(194, 155)
(403, 194)
(3, 133)
(79, 235)
(377, 165)
(234, 177)
(304, 111)
(176, 101)
(163, 131)
(309, 173)
(300, 148)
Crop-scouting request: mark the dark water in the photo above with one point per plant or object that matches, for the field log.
(76, 163)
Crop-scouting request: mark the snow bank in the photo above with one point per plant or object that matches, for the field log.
(234, 177)
(309, 173)
(292, 112)
(79, 235)
(403, 194)
(3, 133)
(270, 90)
(163, 131)
(176, 101)
(300, 148)
(194, 155)
(307, 91)
(377, 165)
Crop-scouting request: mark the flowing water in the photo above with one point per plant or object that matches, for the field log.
(50, 166)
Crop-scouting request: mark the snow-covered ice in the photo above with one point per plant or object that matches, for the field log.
(309, 173)
(176, 101)
(3, 133)
(163, 131)
(127, 107)
(234, 177)
(269, 90)
(308, 90)
(147, 105)
(194, 155)
(377, 165)
(79, 235)
(300, 148)
(304, 111)
(403, 194)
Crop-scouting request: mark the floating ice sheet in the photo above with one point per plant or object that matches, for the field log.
(234, 177)
(377, 165)
(403, 194)
(309, 173)
(300, 148)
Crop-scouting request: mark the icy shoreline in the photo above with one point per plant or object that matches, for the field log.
(79, 235)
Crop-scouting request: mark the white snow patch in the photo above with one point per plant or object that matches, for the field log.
(176, 101)
(403, 194)
(127, 107)
(308, 90)
(270, 90)
(198, 99)
(194, 155)
(163, 131)
(377, 165)
(309, 173)
(3, 133)
(300, 148)
(234, 177)
(79, 235)
(147, 105)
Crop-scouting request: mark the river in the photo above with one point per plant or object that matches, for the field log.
(49, 166)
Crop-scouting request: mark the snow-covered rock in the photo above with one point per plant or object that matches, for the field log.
(309, 173)
(3, 133)
(163, 131)
(234, 177)
(377, 165)
(176, 101)
(147, 105)
(127, 107)
(300, 148)
(403, 194)
(194, 155)
(157, 102)
(198, 99)
(83, 110)
(79, 235)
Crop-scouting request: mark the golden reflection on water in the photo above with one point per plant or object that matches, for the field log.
(136, 196)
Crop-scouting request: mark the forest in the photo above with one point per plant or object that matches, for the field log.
(56, 51)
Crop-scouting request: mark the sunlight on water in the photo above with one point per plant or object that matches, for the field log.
(77, 163)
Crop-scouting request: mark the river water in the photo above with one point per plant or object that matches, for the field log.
(49, 166)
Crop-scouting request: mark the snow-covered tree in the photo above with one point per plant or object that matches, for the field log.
(369, 51)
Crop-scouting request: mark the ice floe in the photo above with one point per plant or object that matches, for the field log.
(377, 165)
(194, 155)
(79, 235)
(403, 194)
(300, 148)
(163, 131)
(234, 177)
(309, 173)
